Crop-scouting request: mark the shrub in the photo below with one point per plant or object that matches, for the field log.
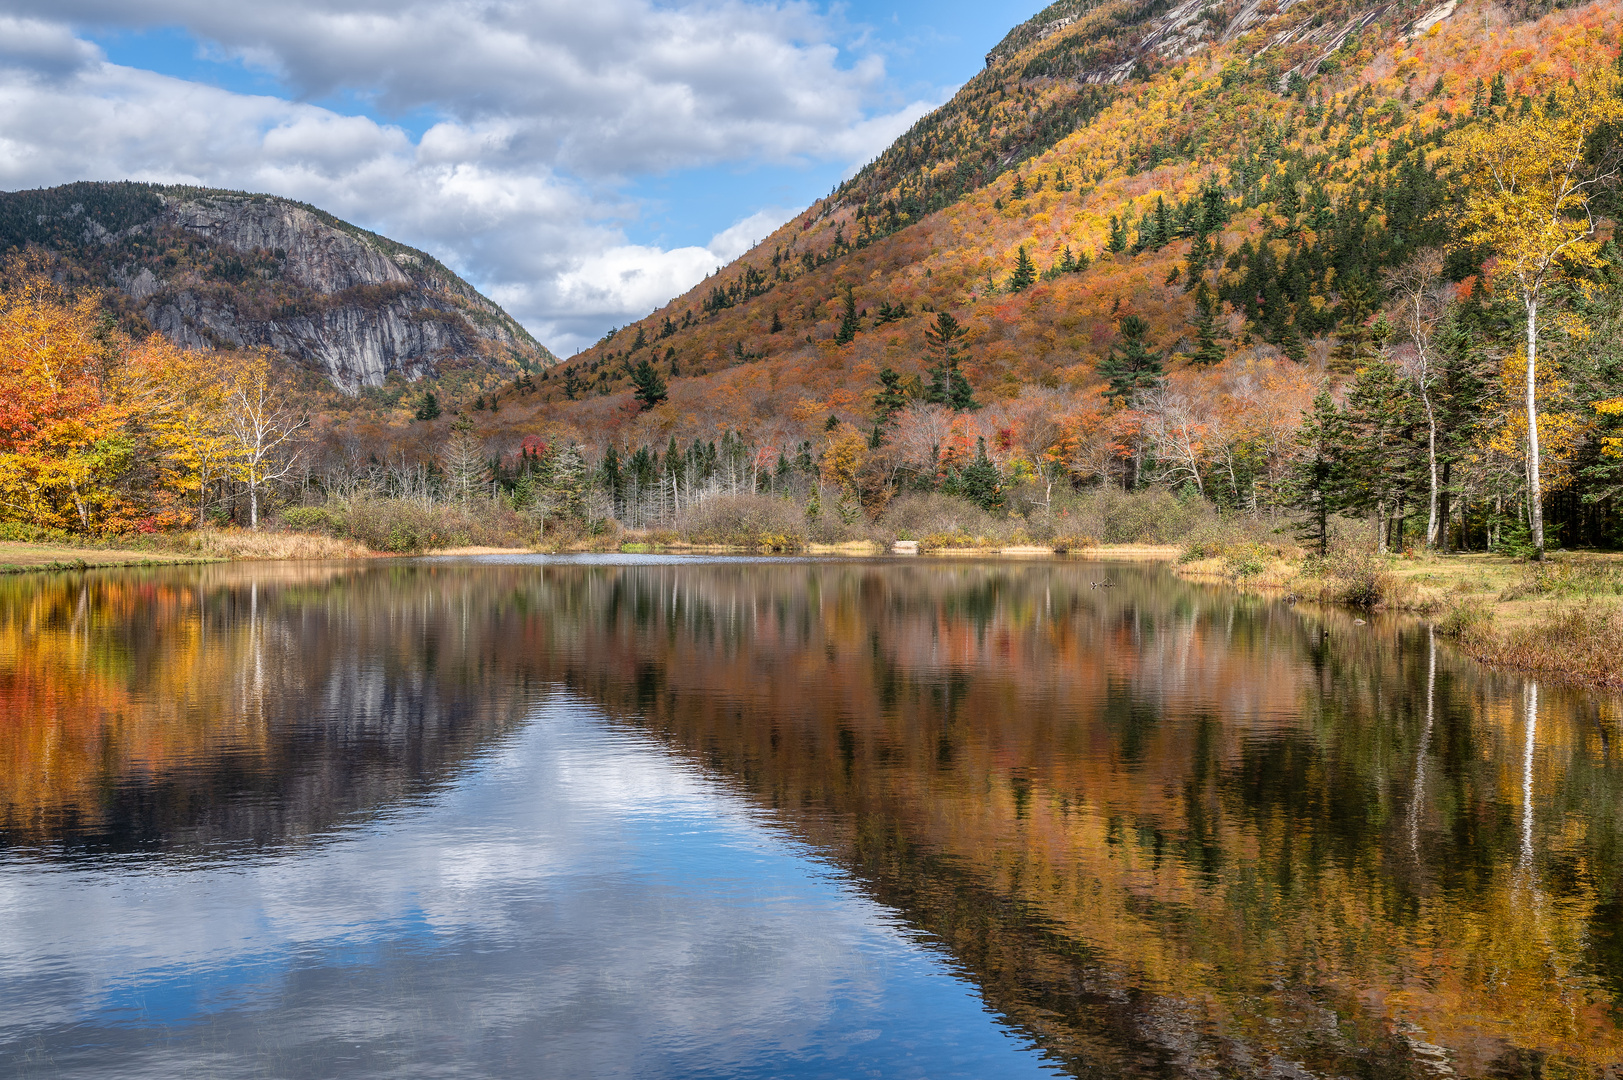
(1248, 560)
(1467, 620)
(406, 526)
(746, 520)
(311, 519)
(29, 533)
(1147, 516)
(1352, 575)
(948, 519)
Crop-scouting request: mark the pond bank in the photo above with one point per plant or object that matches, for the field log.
(1562, 617)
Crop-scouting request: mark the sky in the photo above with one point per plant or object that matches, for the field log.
(579, 162)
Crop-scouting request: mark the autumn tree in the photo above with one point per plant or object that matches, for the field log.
(62, 444)
(1531, 180)
(183, 396)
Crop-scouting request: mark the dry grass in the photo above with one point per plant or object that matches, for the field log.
(1579, 641)
(243, 544)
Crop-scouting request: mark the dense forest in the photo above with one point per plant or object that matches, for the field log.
(1327, 262)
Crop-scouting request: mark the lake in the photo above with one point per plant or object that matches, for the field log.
(687, 817)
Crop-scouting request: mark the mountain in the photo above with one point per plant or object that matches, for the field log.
(1239, 176)
(226, 268)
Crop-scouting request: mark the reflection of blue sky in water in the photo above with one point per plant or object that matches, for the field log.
(582, 903)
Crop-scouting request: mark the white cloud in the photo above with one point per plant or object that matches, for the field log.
(608, 88)
(630, 280)
(546, 106)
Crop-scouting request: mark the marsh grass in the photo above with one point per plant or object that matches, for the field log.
(408, 526)
(1581, 641)
(265, 544)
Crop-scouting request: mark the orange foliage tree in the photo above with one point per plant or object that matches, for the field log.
(63, 449)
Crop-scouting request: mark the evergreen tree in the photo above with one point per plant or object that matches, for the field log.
(609, 473)
(429, 409)
(1019, 189)
(1379, 453)
(1118, 236)
(1319, 475)
(649, 387)
(947, 384)
(1207, 348)
(642, 339)
(1353, 337)
(777, 324)
(890, 398)
(1025, 273)
(1131, 366)
(979, 482)
(849, 324)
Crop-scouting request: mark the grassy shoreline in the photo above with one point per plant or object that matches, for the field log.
(243, 546)
(1562, 618)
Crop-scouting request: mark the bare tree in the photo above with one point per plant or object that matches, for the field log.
(1178, 430)
(464, 460)
(262, 423)
(1417, 287)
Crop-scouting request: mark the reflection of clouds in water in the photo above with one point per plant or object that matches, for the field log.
(581, 904)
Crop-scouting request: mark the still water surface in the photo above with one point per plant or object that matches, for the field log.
(684, 817)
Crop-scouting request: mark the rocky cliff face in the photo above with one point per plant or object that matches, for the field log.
(221, 269)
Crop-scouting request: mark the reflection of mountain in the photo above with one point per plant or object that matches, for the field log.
(1171, 830)
(184, 710)
(1167, 836)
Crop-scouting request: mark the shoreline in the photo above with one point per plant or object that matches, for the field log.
(1562, 618)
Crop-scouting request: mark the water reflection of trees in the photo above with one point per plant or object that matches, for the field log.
(1167, 829)
(1170, 830)
(189, 709)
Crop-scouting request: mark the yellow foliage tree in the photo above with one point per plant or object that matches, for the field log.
(1531, 179)
(184, 395)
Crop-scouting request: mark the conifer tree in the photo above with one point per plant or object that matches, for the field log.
(890, 398)
(850, 323)
(1019, 189)
(1118, 236)
(1024, 274)
(1131, 366)
(649, 387)
(947, 384)
(429, 409)
(1207, 348)
(979, 482)
(1319, 475)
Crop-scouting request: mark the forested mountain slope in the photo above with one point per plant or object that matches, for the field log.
(1217, 192)
(227, 269)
